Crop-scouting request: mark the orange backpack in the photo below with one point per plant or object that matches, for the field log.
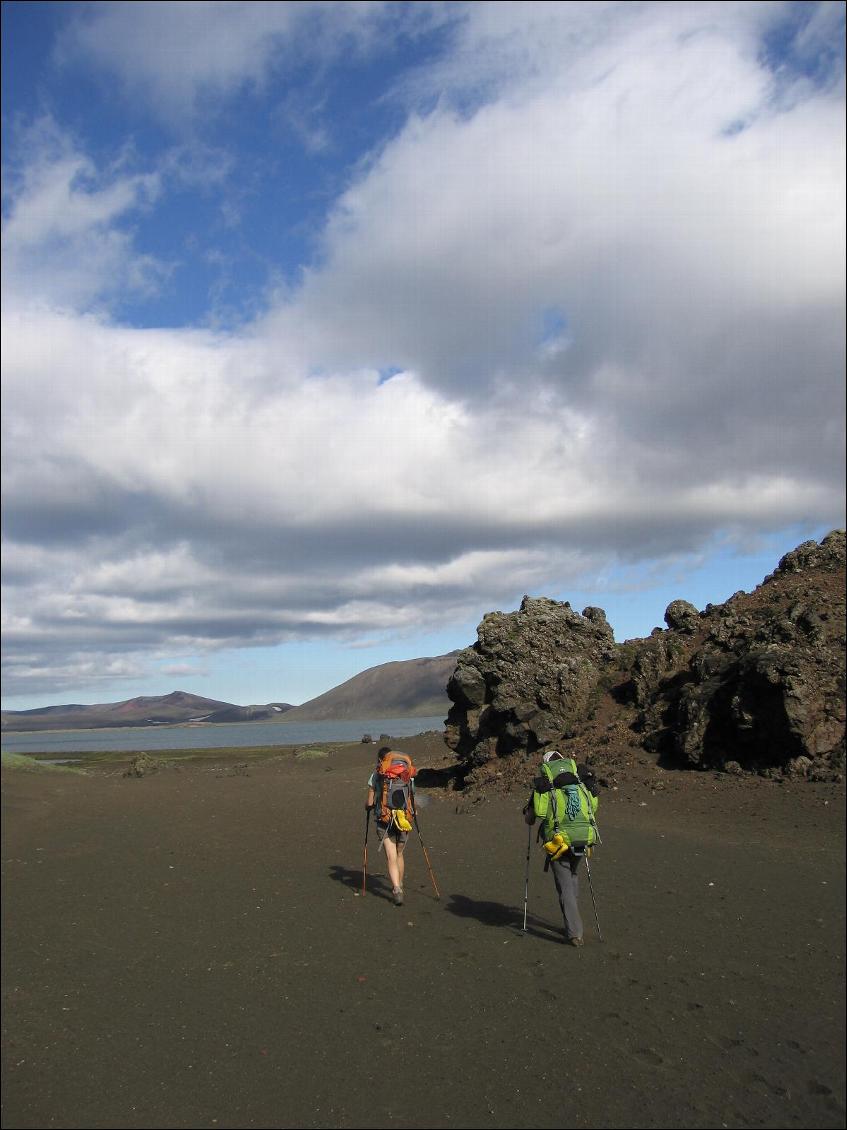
(394, 786)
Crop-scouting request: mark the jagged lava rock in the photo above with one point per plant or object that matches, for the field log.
(762, 680)
(529, 677)
(756, 684)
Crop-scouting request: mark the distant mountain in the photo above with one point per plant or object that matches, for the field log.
(179, 706)
(405, 688)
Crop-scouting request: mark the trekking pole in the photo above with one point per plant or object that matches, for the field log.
(365, 860)
(426, 855)
(526, 884)
(591, 888)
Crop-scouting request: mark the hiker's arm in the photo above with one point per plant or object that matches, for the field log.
(369, 803)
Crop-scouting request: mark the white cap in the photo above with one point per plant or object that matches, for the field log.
(553, 755)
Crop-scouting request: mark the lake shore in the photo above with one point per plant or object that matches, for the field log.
(191, 948)
(220, 735)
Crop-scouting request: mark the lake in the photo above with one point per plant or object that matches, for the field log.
(135, 739)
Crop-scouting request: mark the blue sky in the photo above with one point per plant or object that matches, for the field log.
(329, 328)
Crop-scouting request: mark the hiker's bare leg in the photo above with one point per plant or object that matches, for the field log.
(395, 863)
(401, 863)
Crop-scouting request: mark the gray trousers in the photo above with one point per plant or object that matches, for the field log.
(567, 887)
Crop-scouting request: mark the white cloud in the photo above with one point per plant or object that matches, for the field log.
(209, 49)
(63, 240)
(183, 670)
(698, 265)
(623, 203)
(186, 58)
(626, 174)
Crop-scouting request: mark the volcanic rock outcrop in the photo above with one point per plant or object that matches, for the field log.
(756, 684)
(528, 679)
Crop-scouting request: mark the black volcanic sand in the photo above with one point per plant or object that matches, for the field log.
(190, 949)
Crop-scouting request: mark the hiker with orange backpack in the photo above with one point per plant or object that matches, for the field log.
(391, 799)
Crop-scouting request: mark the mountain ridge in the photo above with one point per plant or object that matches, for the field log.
(143, 710)
(399, 688)
(406, 688)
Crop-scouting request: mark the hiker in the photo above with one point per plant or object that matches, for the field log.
(391, 799)
(563, 799)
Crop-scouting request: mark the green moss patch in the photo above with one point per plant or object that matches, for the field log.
(22, 763)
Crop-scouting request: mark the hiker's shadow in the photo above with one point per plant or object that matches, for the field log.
(496, 914)
(352, 878)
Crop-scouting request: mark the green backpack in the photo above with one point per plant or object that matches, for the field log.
(565, 807)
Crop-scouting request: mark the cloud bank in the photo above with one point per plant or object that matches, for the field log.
(586, 306)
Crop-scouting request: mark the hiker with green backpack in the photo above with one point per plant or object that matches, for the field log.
(391, 799)
(564, 801)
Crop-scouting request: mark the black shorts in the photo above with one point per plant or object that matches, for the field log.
(393, 832)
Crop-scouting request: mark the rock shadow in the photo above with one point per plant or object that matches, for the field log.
(444, 778)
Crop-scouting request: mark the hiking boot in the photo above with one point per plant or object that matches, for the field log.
(398, 896)
(574, 941)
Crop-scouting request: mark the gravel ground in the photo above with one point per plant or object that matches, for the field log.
(192, 949)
